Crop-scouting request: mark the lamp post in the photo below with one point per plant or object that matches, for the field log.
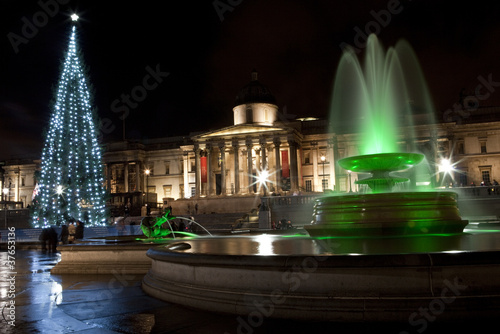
(5, 191)
(323, 159)
(446, 167)
(350, 184)
(10, 185)
(147, 172)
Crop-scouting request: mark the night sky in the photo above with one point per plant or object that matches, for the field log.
(209, 54)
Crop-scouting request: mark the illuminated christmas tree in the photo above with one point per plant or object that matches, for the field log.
(71, 181)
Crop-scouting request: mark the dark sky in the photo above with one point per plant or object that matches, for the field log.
(209, 55)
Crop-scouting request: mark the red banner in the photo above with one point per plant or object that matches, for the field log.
(203, 164)
(285, 168)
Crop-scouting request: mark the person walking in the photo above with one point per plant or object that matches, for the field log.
(72, 232)
(52, 239)
(64, 234)
(43, 239)
(79, 230)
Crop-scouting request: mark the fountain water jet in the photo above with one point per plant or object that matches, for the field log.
(377, 96)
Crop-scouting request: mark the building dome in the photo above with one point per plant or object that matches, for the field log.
(255, 104)
(254, 92)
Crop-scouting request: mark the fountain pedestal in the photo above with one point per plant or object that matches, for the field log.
(403, 213)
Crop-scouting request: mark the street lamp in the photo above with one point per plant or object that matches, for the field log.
(262, 179)
(323, 159)
(350, 184)
(147, 172)
(5, 191)
(447, 168)
(10, 186)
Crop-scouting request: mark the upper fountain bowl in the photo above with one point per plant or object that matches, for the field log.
(383, 162)
(381, 165)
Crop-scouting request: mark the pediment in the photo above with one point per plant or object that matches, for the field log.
(242, 130)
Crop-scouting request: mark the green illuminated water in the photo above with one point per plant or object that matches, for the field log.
(380, 97)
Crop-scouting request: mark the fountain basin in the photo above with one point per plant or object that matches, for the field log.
(381, 165)
(387, 162)
(402, 213)
(331, 279)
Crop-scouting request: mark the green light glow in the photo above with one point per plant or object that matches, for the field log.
(379, 95)
(380, 165)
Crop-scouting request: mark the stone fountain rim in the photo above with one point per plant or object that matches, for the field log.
(162, 253)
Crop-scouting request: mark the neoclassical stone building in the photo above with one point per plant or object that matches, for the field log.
(299, 155)
(228, 161)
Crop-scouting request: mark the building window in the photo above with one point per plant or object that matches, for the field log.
(193, 191)
(485, 174)
(193, 165)
(308, 185)
(462, 179)
(483, 147)
(307, 159)
(167, 167)
(167, 190)
(461, 149)
(324, 184)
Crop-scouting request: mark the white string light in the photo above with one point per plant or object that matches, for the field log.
(71, 157)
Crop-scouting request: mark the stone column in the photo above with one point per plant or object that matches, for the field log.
(412, 171)
(263, 153)
(316, 179)
(108, 177)
(335, 149)
(236, 167)
(222, 149)
(197, 172)
(16, 186)
(187, 190)
(257, 159)
(277, 157)
(433, 158)
(138, 177)
(125, 174)
(249, 146)
(210, 189)
(294, 173)
(332, 158)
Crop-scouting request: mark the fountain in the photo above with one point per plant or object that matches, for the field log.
(152, 227)
(379, 256)
(377, 96)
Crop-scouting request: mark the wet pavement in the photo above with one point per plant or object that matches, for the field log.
(46, 303)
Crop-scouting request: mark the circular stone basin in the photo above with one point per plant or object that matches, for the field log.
(345, 279)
